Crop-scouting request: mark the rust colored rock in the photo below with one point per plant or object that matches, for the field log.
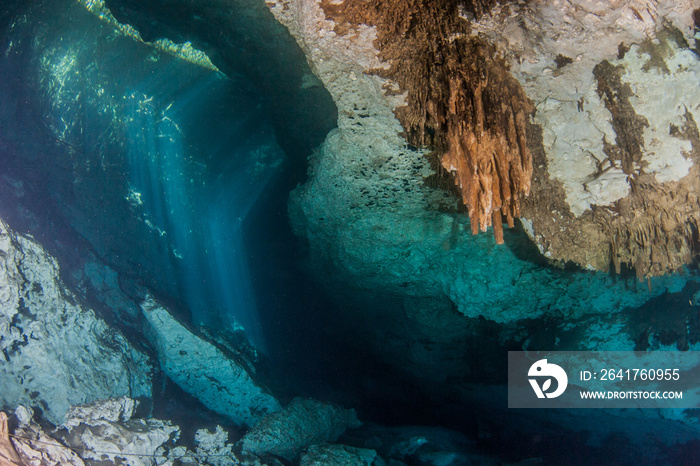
(8, 454)
(461, 100)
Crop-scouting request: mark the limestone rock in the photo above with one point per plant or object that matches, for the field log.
(604, 172)
(35, 447)
(615, 86)
(55, 351)
(304, 422)
(374, 222)
(105, 431)
(213, 445)
(340, 455)
(461, 101)
(212, 449)
(200, 368)
(113, 410)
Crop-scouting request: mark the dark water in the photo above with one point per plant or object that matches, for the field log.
(178, 178)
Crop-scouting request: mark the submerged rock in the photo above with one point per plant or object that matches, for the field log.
(113, 410)
(398, 254)
(609, 158)
(92, 435)
(55, 351)
(615, 87)
(105, 431)
(36, 447)
(213, 445)
(340, 455)
(375, 222)
(303, 423)
(203, 370)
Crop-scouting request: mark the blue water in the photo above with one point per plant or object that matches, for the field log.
(200, 200)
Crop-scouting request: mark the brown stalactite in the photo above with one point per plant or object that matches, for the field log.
(628, 125)
(462, 102)
(655, 229)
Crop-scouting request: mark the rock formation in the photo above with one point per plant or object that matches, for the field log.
(558, 102)
(55, 351)
(615, 88)
(107, 430)
(375, 216)
(301, 424)
(218, 380)
(546, 111)
(461, 101)
(110, 431)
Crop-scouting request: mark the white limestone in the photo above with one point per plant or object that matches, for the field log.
(55, 351)
(588, 32)
(368, 214)
(204, 371)
(105, 431)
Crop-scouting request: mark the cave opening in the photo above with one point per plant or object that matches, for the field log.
(177, 177)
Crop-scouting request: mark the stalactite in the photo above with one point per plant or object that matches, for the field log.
(492, 165)
(655, 229)
(462, 102)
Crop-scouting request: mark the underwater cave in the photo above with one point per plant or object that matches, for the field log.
(203, 156)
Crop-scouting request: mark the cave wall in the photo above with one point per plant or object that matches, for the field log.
(372, 218)
(606, 176)
(615, 90)
(55, 351)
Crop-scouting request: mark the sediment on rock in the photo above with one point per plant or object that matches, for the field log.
(614, 91)
(655, 229)
(627, 124)
(461, 100)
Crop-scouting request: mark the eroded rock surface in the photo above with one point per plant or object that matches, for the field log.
(304, 422)
(615, 85)
(373, 219)
(202, 369)
(106, 431)
(613, 143)
(55, 351)
(461, 100)
(36, 447)
(110, 432)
